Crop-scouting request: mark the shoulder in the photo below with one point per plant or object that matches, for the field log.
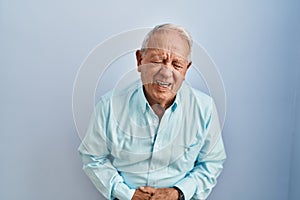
(119, 94)
(197, 100)
(202, 98)
(191, 94)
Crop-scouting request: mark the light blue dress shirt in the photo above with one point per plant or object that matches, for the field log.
(127, 146)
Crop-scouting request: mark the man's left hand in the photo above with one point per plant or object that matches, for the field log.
(165, 194)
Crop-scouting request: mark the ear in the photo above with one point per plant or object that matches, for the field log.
(188, 66)
(138, 55)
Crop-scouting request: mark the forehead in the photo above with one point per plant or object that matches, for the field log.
(169, 42)
(162, 53)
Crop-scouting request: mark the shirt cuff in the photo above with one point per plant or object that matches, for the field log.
(187, 186)
(122, 191)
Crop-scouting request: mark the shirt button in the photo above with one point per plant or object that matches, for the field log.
(186, 150)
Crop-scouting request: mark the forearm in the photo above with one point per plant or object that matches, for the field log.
(105, 177)
(203, 177)
(199, 182)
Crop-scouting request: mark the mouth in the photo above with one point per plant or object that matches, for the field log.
(163, 84)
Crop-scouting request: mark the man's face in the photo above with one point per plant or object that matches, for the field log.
(163, 66)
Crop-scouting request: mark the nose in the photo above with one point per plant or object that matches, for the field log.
(166, 71)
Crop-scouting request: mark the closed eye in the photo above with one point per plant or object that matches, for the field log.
(157, 62)
(177, 66)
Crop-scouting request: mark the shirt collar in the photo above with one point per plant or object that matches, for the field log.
(142, 101)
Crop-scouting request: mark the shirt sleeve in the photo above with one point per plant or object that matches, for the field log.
(96, 164)
(198, 183)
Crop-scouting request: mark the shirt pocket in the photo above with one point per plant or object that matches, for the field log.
(185, 155)
(191, 151)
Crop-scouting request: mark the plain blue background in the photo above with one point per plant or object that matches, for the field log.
(255, 45)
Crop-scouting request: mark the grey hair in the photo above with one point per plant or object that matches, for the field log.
(169, 27)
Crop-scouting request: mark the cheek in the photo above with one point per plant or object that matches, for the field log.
(178, 77)
(146, 74)
(149, 69)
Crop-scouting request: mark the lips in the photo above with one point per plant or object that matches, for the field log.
(162, 83)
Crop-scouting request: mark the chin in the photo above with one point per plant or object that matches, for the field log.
(161, 97)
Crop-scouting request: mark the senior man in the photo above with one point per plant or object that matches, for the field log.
(157, 138)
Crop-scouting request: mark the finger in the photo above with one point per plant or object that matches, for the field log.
(156, 197)
(147, 189)
(139, 195)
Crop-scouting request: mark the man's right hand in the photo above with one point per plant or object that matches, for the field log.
(143, 193)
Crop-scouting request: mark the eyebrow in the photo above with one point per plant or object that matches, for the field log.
(160, 53)
(179, 59)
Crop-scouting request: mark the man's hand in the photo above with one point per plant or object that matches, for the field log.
(143, 193)
(165, 194)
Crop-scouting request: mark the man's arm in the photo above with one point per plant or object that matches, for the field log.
(199, 182)
(97, 166)
(105, 177)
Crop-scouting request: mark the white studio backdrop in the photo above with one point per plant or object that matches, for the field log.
(255, 45)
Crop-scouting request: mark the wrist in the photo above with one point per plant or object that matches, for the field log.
(180, 193)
